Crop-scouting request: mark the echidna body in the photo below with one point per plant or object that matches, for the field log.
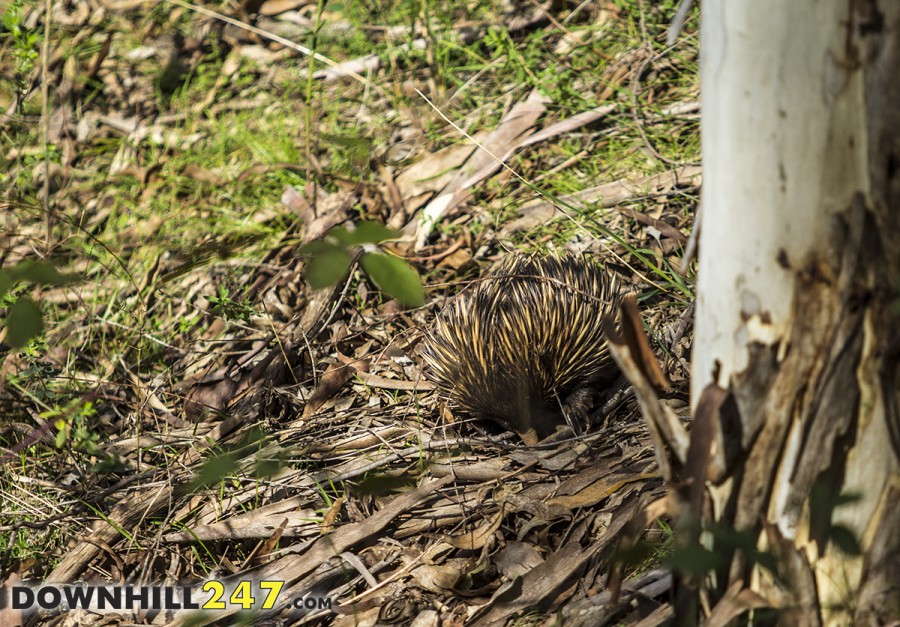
(524, 347)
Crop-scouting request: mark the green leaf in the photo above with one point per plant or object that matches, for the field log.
(634, 555)
(845, 540)
(61, 432)
(268, 467)
(846, 498)
(394, 276)
(366, 232)
(766, 560)
(694, 560)
(5, 282)
(341, 234)
(326, 263)
(214, 470)
(372, 233)
(23, 322)
(40, 273)
(380, 485)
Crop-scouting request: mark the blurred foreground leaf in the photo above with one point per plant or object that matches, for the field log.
(364, 233)
(394, 276)
(326, 263)
(23, 322)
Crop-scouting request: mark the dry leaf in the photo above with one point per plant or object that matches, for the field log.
(198, 173)
(516, 559)
(478, 537)
(276, 7)
(333, 379)
(331, 515)
(498, 146)
(606, 195)
(736, 601)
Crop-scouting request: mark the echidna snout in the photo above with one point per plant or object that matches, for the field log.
(524, 347)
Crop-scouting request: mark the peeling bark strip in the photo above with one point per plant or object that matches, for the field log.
(797, 317)
(809, 415)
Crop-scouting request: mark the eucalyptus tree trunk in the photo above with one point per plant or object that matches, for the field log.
(798, 314)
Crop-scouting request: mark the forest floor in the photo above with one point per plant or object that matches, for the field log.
(178, 406)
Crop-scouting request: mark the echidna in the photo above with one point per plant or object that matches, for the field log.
(524, 347)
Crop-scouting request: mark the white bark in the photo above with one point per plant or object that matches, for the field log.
(793, 310)
(784, 148)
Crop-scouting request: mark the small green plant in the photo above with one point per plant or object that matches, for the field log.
(74, 424)
(22, 180)
(23, 316)
(25, 45)
(225, 306)
(330, 258)
(330, 492)
(355, 150)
